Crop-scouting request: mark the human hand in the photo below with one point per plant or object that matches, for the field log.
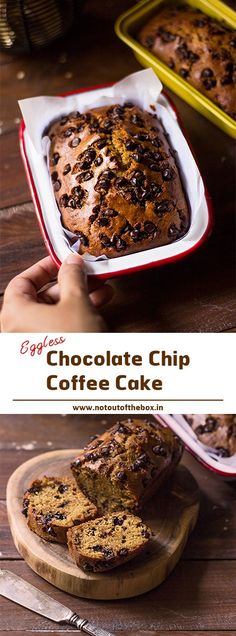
(32, 304)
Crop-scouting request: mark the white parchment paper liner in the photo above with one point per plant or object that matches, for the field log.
(181, 427)
(144, 89)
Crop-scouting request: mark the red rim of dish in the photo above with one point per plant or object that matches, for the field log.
(130, 270)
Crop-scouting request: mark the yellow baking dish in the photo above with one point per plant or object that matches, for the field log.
(129, 23)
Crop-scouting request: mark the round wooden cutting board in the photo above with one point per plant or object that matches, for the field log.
(171, 514)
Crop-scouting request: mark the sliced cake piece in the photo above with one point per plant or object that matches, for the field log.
(106, 542)
(54, 504)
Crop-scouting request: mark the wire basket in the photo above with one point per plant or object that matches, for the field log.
(27, 25)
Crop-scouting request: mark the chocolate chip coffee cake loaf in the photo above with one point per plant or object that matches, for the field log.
(199, 48)
(54, 504)
(116, 181)
(122, 468)
(105, 543)
(215, 431)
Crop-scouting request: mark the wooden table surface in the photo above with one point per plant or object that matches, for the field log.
(197, 597)
(196, 294)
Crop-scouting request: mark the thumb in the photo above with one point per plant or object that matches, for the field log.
(72, 279)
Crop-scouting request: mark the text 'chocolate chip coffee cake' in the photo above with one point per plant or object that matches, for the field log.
(116, 180)
(197, 47)
(122, 468)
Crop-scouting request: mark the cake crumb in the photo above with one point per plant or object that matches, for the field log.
(20, 75)
(28, 447)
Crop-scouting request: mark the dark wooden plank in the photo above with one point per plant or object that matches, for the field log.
(7, 548)
(191, 295)
(214, 534)
(49, 431)
(21, 241)
(196, 596)
(124, 632)
(187, 296)
(13, 184)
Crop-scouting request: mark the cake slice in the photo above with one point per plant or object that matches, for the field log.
(106, 542)
(54, 504)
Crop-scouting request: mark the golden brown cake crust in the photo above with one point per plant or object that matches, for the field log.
(54, 504)
(108, 542)
(199, 48)
(116, 181)
(215, 431)
(123, 467)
